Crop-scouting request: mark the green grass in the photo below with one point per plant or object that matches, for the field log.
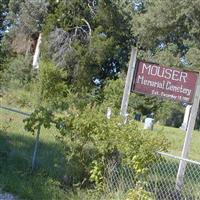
(16, 147)
(176, 138)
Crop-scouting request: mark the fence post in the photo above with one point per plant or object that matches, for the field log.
(188, 137)
(127, 88)
(35, 148)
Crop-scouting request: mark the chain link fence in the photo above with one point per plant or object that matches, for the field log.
(21, 144)
(11, 121)
(160, 179)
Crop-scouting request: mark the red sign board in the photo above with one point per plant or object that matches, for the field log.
(165, 82)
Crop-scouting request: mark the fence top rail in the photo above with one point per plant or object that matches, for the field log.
(178, 157)
(15, 110)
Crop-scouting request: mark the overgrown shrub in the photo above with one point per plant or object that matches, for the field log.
(93, 140)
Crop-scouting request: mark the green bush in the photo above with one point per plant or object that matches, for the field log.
(92, 140)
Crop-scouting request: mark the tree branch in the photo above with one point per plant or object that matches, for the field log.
(89, 27)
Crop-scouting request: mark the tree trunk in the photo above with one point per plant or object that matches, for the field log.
(37, 53)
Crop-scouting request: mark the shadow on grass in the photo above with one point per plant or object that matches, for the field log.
(15, 168)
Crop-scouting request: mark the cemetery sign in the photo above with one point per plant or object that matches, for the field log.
(175, 84)
(166, 82)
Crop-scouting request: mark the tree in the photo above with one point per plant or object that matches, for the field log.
(26, 18)
(23, 21)
(168, 32)
(3, 14)
(3, 27)
(90, 40)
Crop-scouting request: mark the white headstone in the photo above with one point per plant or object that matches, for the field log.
(109, 113)
(148, 123)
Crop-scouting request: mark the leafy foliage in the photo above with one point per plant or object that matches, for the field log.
(3, 27)
(27, 16)
(172, 31)
(88, 50)
(51, 87)
(18, 68)
(170, 113)
(139, 193)
(113, 94)
(3, 14)
(94, 140)
(40, 117)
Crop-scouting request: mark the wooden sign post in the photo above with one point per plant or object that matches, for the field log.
(186, 118)
(188, 137)
(128, 84)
